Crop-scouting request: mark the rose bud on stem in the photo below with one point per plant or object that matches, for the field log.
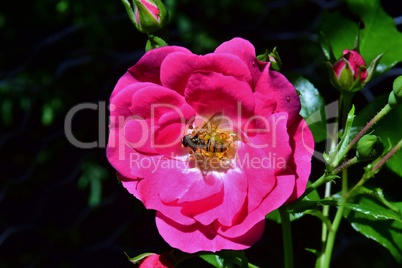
(349, 74)
(395, 97)
(369, 147)
(148, 16)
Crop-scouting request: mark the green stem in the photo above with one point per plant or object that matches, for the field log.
(287, 238)
(335, 225)
(345, 164)
(331, 237)
(377, 165)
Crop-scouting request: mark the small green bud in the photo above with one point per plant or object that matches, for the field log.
(369, 147)
(395, 97)
(272, 57)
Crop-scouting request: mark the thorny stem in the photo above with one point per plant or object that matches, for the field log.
(345, 164)
(370, 173)
(385, 110)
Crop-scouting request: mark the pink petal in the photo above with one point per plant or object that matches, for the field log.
(148, 67)
(119, 154)
(177, 68)
(264, 155)
(126, 80)
(235, 192)
(209, 93)
(302, 142)
(151, 200)
(276, 198)
(198, 237)
(275, 85)
(187, 187)
(167, 116)
(244, 50)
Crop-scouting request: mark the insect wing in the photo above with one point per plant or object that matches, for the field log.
(214, 121)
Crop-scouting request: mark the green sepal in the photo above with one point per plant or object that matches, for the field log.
(272, 57)
(154, 42)
(139, 258)
(328, 51)
(346, 79)
(370, 70)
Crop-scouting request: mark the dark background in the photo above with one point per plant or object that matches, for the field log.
(61, 206)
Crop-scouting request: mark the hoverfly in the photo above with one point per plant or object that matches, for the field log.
(201, 140)
(209, 145)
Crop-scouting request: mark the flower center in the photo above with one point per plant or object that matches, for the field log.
(212, 147)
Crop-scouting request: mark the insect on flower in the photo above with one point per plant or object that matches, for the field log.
(212, 148)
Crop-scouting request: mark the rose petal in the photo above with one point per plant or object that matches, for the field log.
(264, 155)
(244, 50)
(279, 194)
(235, 192)
(302, 142)
(148, 67)
(199, 237)
(209, 93)
(177, 68)
(275, 85)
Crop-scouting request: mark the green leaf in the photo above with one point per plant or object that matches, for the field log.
(275, 216)
(226, 258)
(387, 129)
(378, 26)
(386, 232)
(297, 208)
(374, 212)
(312, 108)
(339, 152)
(212, 259)
(303, 205)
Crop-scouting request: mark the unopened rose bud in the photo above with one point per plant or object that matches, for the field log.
(349, 72)
(272, 57)
(369, 147)
(147, 15)
(395, 97)
(156, 261)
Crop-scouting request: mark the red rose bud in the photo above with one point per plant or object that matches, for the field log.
(147, 15)
(349, 73)
(156, 261)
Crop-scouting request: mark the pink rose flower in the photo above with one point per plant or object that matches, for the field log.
(156, 261)
(213, 143)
